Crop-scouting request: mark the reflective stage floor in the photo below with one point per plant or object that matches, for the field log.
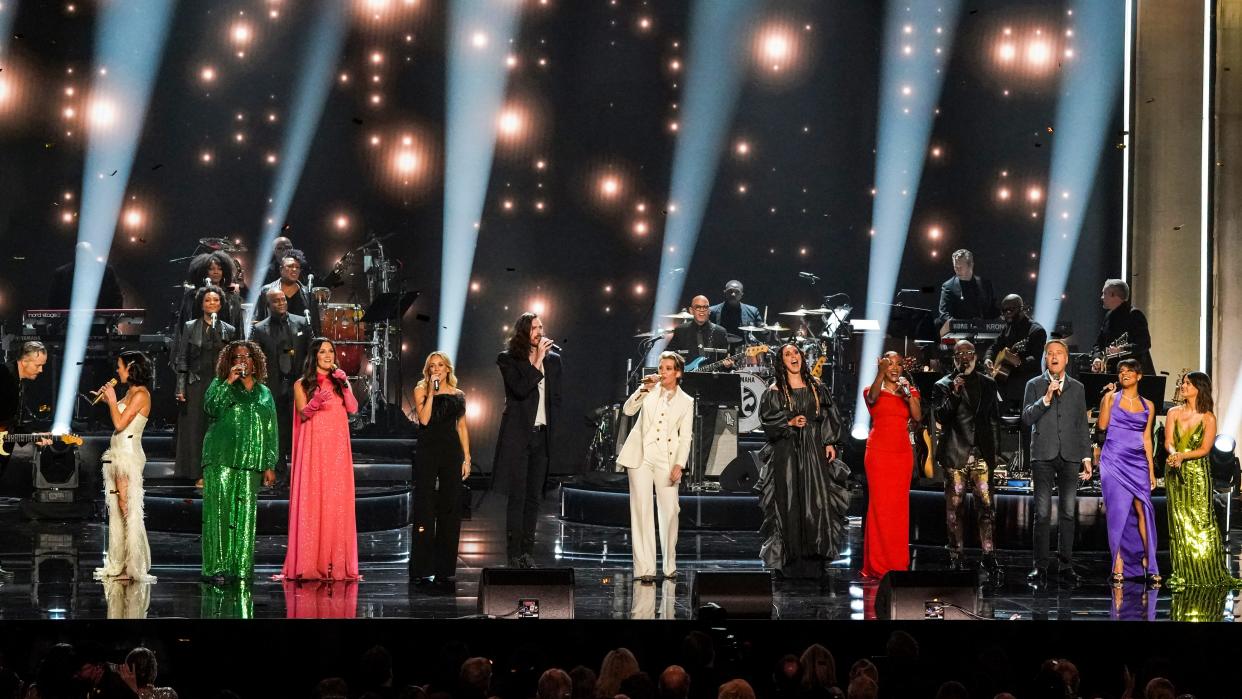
(52, 565)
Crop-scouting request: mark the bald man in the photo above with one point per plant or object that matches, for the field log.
(691, 339)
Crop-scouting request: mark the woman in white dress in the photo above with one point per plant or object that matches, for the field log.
(129, 555)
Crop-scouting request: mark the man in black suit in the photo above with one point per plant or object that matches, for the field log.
(300, 299)
(532, 375)
(965, 296)
(1055, 409)
(967, 407)
(1024, 339)
(690, 339)
(731, 313)
(1122, 319)
(285, 340)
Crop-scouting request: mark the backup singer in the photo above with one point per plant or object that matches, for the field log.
(323, 536)
(1194, 539)
(31, 357)
(1055, 411)
(892, 403)
(965, 296)
(1127, 477)
(967, 406)
(195, 361)
(654, 456)
(532, 375)
(1122, 319)
(690, 339)
(285, 340)
(211, 269)
(129, 554)
(239, 451)
(441, 462)
(1022, 341)
(802, 485)
(301, 300)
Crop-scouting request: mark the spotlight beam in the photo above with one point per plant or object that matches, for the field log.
(909, 90)
(129, 40)
(323, 49)
(8, 13)
(1089, 90)
(715, 68)
(479, 35)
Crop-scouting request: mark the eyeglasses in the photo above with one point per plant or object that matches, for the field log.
(964, 353)
(700, 308)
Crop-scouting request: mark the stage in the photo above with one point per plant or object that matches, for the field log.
(53, 563)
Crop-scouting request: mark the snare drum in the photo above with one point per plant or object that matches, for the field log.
(342, 323)
(753, 388)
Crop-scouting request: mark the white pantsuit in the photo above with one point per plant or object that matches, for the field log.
(659, 440)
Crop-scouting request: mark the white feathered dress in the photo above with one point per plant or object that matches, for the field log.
(128, 550)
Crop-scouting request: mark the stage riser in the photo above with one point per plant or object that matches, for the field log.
(375, 509)
(611, 508)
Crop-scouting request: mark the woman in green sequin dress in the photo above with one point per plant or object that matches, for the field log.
(240, 445)
(1195, 544)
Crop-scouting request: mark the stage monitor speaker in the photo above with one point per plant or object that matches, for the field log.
(535, 593)
(742, 473)
(742, 595)
(928, 594)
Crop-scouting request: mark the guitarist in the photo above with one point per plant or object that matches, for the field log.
(690, 339)
(1014, 358)
(1122, 319)
(31, 357)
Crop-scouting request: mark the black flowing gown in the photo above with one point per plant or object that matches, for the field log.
(804, 497)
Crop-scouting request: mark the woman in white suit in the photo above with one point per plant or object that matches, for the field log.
(654, 455)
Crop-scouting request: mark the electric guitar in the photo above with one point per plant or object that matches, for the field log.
(1008, 359)
(6, 439)
(697, 364)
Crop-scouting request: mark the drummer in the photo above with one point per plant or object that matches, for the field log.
(732, 314)
(301, 301)
(700, 337)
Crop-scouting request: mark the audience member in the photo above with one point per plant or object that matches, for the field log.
(674, 683)
(1159, 688)
(375, 673)
(638, 686)
(952, 690)
(618, 665)
(555, 684)
(584, 682)
(819, 674)
(475, 679)
(867, 669)
(142, 663)
(736, 689)
(862, 687)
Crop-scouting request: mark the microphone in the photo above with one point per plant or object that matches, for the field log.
(435, 384)
(100, 394)
(310, 280)
(809, 277)
(206, 281)
(213, 318)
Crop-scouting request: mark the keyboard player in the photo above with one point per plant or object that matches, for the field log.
(965, 296)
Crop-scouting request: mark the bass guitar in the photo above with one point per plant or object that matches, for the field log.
(698, 363)
(6, 439)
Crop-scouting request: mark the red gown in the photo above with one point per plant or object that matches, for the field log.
(889, 460)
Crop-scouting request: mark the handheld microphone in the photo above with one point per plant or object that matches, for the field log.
(206, 281)
(310, 281)
(213, 318)
(557, 348)
(435, 384)
(100, 394)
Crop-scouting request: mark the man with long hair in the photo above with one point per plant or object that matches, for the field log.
(532, 374)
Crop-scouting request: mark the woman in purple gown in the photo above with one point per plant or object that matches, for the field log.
(1127, 477)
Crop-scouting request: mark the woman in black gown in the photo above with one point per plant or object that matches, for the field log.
(802, 486)
(198, 345)
(441, 462)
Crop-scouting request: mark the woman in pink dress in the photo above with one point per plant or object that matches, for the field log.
(323, 537)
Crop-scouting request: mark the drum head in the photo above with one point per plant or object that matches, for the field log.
(753, 388)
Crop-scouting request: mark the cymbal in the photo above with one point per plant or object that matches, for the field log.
(801, 312)
(776, 328)
(684, 315)
(223, 244)
(821, 311)
(649, 335)
(752, 328)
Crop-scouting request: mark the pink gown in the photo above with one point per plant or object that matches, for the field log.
(323, 536)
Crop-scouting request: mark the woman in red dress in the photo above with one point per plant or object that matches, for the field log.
(892, 401)
(323, 536)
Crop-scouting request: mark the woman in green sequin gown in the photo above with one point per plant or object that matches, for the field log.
(1195, 544)
(240, 445)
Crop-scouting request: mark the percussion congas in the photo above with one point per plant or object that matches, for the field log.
(342, 323)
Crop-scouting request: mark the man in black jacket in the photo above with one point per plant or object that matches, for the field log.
(1055, 410)
(31, 356)
(967, 407)
(1122, 320)
(965, 296)
(1023, 340)
(532, 376)
(690, 339)
(300, 299)
(285, 340)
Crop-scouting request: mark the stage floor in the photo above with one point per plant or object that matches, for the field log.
(53, 564)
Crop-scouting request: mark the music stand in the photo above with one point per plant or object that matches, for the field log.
(716, 390)
(389, 305)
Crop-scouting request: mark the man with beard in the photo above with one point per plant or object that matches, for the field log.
(967, 406)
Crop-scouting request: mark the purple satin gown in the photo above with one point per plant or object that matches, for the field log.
(1123, 481)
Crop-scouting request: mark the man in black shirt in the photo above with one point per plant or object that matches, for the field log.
(1122, 319)
(285, 340)
(732, 314)
(1022, 339)
(696, 338)
(965, 296)
(967, 406)
(31, 357)
(300, 299)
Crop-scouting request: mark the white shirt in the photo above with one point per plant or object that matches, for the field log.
(541, 413)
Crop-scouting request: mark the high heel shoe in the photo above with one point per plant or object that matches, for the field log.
(1153, 580)
(1116, 579)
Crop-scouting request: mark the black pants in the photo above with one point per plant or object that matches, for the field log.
(1065, 475)
(437, 519)
(284, 429)
(525, 492)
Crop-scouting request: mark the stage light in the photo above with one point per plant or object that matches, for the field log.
(1089, 91)
(207, 74)
(742, 148)
(241, 33)
(713, 84)
(1034, 194)
(317, 70)
(778, 52)
(475, 94)
(129, 36)
(134, 218)
(908, 94)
